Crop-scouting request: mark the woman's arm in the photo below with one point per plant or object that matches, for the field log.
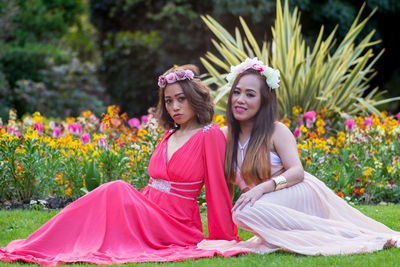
(285, 145)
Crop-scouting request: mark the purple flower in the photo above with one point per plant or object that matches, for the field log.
(300, 121)
(162, 82)
(180, 75)
(296, 133)
(368, 121)
(85, 138)
(56, 132)
(350, 125)
(189, 74)
(170, 77)
(101, 142)
(134, 123)
(145, 119)
(39, 127)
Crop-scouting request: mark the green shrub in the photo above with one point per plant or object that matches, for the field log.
(128, 69)
(66, 90)
(27, 62)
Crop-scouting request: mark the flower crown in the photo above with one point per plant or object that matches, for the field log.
(175, 76)
(271, 75)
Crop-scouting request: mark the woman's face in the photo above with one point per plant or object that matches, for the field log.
(177, 105)
(246, 98)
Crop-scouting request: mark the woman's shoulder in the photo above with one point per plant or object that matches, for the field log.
(280, 130)
(212, 130)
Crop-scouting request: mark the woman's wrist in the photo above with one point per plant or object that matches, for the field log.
(280, 182)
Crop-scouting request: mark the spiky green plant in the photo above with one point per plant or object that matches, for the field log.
(311, 77)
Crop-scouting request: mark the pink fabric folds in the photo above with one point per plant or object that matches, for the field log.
(117, 224)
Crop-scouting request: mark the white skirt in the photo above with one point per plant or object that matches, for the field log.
(307, 218)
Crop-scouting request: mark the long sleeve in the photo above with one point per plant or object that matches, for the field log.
(219, 205)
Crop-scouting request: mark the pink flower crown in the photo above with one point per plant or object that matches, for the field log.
(175, 76)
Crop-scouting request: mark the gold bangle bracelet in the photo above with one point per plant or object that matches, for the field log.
(280, 182)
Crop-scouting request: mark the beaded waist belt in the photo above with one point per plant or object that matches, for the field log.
(187, 190)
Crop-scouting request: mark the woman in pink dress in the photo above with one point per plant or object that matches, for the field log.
(117, 224)
(284, 207)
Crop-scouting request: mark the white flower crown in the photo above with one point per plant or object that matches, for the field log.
(271, 75)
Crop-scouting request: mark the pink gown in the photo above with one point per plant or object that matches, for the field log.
(306, 218)
(117, 224)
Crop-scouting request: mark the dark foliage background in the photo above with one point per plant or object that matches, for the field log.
(132, 42)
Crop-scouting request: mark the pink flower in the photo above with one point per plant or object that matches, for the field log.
(18, 133)
(189, 74)
(56, 132)
(398, 116)
(170, 77)
(52, 124)
(350, 125)
(11, 130)
(101, 142)
(116, 122)
(39, 127)
(296, 133)
(102, 127)
(145, 119)
(257, 67)
(368, 121)
(310, 118)
(180, 75)
(85, 138)
(75, 128)
(300, 121)
(162, 82)
(134, 123)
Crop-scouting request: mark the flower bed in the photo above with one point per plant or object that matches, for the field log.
(39, 157)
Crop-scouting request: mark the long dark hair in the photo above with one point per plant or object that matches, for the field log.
(256, 166)
(196, 92)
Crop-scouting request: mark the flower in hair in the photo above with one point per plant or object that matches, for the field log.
(175, 76)
(271, 75)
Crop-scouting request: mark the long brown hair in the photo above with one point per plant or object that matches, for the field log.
(256, 166)
(196, 92)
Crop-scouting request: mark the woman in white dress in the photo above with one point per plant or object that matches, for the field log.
(284, 207)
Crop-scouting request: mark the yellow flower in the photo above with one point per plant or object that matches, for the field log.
(70, 120)
(303, 129)
(20, 150)
(308, 162)
(31, 134)
(59, 178)
(390, 169)
(220, 120)
(367, 172)
(335, 150)
(95, 154)
(68, 191)
(337, 173)
(87, 113)
(142, 133)
(37, 117)
(296, 111)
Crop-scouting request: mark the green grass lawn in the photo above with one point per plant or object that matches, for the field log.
(19, 224)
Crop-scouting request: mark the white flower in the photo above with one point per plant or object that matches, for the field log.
(272, 75)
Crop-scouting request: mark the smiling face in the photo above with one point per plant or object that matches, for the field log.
(246, 98)
(178, 106)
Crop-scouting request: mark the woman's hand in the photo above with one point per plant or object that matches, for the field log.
(250, 196)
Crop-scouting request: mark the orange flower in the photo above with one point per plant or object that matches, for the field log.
(340, 193)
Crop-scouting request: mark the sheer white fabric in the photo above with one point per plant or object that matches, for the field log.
(307, 218)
